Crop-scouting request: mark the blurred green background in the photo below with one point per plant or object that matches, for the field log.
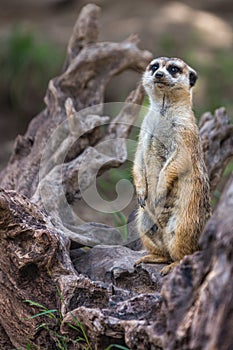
(34, 35)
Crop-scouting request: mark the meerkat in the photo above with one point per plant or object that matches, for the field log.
(169, 172)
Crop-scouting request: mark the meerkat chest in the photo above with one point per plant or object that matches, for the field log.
(157, 137)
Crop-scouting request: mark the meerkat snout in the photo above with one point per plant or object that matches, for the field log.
(159, 75)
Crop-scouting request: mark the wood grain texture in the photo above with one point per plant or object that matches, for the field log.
(191, 308)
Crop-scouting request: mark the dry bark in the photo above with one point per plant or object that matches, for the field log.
(217, 143)
(192, 308)
(67, 136)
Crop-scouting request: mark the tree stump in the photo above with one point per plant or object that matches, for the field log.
(60, 156)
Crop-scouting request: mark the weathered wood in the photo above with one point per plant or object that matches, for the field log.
(49, 163)
(5, 342)
(89, 67)
(217, 142)
(33, 261)
(198, 295)
(115, 302)
(120, 269)
(196, 308)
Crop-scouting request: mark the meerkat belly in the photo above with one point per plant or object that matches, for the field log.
(156, 157)
(154, 163)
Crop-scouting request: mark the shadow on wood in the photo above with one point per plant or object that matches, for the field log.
(115, 302)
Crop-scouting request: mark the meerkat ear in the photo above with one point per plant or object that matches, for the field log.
(192, 78)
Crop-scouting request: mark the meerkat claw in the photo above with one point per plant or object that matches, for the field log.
(166, 269)
(142, 202)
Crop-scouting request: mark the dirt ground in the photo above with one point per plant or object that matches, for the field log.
(164, 27)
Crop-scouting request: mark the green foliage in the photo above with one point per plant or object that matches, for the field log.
(83, 338)
(216, 79)
(121, 223)
(62, 341)
(27, 64)
(30, 346)
(116, 346)
(229, 168)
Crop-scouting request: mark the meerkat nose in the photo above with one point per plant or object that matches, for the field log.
(159, 75)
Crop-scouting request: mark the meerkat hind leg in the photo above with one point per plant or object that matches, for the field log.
(166, 269)
(152, 258)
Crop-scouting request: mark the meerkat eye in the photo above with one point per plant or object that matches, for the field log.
(154, 67)
(174, 69)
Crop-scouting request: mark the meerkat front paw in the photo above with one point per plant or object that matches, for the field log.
(142, 196)
(142, 201)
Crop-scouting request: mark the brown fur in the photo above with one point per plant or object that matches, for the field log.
(169, 172)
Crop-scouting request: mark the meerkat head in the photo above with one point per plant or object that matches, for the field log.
(168, 76)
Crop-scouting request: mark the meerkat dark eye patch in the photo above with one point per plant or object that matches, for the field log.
(174, 69)
(154, 67)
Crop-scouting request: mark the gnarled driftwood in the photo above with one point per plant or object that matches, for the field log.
(64, 149)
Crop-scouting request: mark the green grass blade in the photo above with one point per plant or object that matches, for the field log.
(117, 346)
(49, 313)
(34, 303)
